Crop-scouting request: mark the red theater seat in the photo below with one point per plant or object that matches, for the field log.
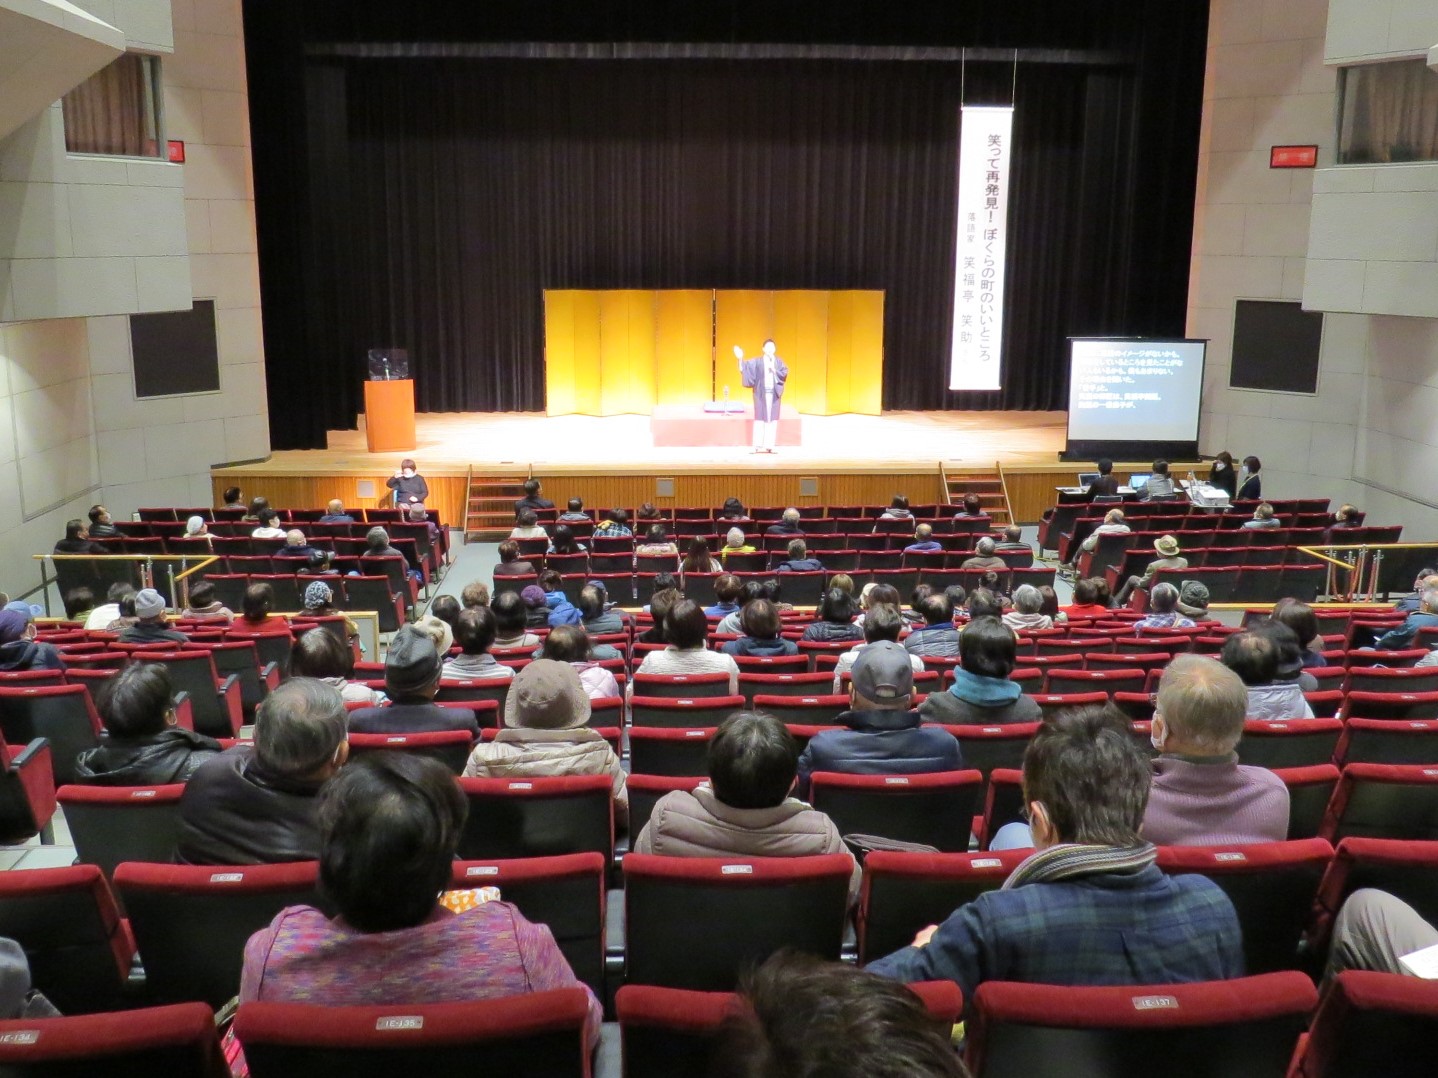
(177, 1042)
(1370, 1024)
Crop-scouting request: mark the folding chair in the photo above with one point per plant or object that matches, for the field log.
(191, 922)
(537, 1033)
(672, 752)
(1244, 1028)
(67, 922)
(1394, 801)
(668, 1031)
(179, 1042)
(1275, 743)
(449, 747)
(538, 817)
(1369, 1024)
(113, 824)
(905, 892)
(749, 907)
(1272, 886)
(566, 894)
(935, 809)
(686, 685)
(61, 714)
(683, 713)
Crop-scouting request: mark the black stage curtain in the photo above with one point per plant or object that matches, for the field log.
(437, 198)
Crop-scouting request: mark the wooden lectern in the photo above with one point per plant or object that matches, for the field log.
(389, 416)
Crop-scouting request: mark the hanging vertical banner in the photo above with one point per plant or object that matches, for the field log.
(985, 137)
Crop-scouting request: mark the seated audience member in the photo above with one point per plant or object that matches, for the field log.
(937, 637)
(408, 485)
(802, 1015)
(475, 593)
(1410, 603)
(197, 531)
(686, 631)
(389, 826)
(319, 602)
(912, 616)
(323, 656)
(880, 735)
(1105, 486)
(234, 498)
(1424, 617)
(1250, 486)
(570, 644)
(735, 543)
(527, 526)
(1193, 600)
(536, 614)
(615, 525)
(532, 499)
(774, 586)
(1168, 558)
(318, 564)
(1290, 654)
(727, 589)
(973, 508)
(697, 558)
(1347, 518)
(415, 513)
(511, 621)
(377, 545)
(898, 509)
(439, 633)
(1254, 658)
(142, 745)
(127, 616)
(800, 560)
(546, 733)
(258, 505)
(787, 524)
(646, 512)
(564, 542)
(269, 526)
(657, 544)
(843, 582)
(257, 612)
(1092, 878)
(1374, 930)
(1028, 610)
(1013, 541)
(729, 624)
(510, 563)
(745, 809)
(79, 602)
(297, 546)
(1113, 524)
(19, 650)
(412, 670)
(924, 541)
(203, 603)
(1085, 604)
(1163, 610)
(596, 615)
(1049, 605)
(1201, 794)
(335, 513)
(447, 607)
(102, 526)
(255, 804)
(1160, 485)
(101, 617)
(77, 540)
(561, 610)
(982, 694)
(1222, 475)
(574, 513)
(871, 595)
(835, 619)
(474, 632)
(732, 509)
(760, 624)
(882, 621)
(1299, 617)
(984, 557)
(660, 603)
(984, 603)
(1263, 518)
(150, 625)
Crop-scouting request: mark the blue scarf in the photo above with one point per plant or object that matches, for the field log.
(984, 691)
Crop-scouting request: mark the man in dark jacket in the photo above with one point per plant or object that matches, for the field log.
(1105, 486)
(880, 736)
(982, 694)
(411, 678)
(19, 649)
(799, 560)
(142, 744)
(254, 805)
(77, 540)
(532, 499)
(152, 627)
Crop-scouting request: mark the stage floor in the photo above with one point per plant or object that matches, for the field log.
(451, 443)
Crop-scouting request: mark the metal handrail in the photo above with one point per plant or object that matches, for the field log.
(146, 564)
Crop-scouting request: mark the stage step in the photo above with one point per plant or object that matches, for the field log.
(988, 485)
(489, 511)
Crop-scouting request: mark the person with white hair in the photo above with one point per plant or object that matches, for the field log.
(1163, 610)
(788, 524)
(1113, 524)
(1028, 610)
(735, 543)
(985, 557)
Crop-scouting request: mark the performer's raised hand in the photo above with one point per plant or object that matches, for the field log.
(739, 353)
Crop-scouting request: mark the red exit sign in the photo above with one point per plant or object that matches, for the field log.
(1293, 157)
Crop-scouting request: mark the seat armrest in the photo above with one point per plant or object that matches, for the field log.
(37, 778)
(229, 694)
(184, 710)
(270, 675)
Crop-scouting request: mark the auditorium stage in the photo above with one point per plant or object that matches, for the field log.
(856, 459)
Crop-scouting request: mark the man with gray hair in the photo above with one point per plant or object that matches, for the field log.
(984, 557)
(255, 804)
(788, 524)
(1201, 794)
(1425, 617)
(1027, 613)
(1163, 610)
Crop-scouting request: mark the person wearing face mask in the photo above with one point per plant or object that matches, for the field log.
(1222, 475)
(1250, 487)
(408, 485)
(19, 650)
(1201, 794)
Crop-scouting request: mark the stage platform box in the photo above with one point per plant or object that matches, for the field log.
(692, 425)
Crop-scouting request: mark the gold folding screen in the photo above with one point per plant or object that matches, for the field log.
(624, 351)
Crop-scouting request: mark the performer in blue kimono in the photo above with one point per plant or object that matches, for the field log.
(765, 374)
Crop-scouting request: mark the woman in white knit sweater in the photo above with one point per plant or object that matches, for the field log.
(688, 630)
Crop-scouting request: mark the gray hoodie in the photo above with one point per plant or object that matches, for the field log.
(1281, 700)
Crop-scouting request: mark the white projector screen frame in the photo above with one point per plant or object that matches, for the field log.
(1134, 396)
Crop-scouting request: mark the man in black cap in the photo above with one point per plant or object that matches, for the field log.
(411, 678)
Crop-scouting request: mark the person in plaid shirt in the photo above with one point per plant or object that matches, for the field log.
(1089, 907)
